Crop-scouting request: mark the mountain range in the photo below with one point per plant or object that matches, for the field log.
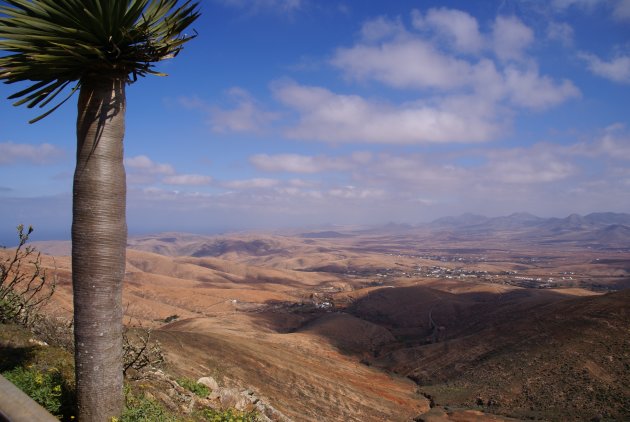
(597, 230)
(525, 220)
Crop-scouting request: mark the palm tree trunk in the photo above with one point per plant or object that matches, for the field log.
(99, 240)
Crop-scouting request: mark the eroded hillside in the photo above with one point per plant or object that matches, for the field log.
(380, 326)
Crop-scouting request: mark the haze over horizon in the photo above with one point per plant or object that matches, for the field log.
(286, 113)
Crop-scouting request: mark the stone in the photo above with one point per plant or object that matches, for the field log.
(209, 382)
(229, 397)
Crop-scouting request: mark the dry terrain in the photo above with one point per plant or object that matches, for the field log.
(465, 319)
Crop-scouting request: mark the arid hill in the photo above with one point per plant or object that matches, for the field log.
(524, 321)
(564, 358)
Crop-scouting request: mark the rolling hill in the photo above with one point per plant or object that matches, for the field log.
(470, 318)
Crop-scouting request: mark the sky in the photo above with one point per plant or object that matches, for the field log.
(309, 113)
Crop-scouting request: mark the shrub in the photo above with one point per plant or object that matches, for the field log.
(140, 353)
(171, 318)
(48, 388)
(23, 291)
(144, 409)
(229, 416)
(56, 331)
(194, 387)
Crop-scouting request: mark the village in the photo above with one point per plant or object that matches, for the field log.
(540, 280)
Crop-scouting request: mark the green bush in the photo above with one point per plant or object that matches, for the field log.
(144, 409)
(48, 388)
(229, 416)
(194, 387)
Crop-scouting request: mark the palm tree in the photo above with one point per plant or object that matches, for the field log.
(99, 46)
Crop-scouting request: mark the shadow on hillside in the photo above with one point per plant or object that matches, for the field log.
(13, 356)
(402, 306)
(530, 353)
(390, 319)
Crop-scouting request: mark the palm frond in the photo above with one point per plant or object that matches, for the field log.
(53, 43)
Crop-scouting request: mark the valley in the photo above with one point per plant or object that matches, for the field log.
(511, 318)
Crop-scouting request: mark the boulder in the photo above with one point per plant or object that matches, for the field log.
(209, 382)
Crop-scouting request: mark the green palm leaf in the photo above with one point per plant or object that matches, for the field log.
(51, 44)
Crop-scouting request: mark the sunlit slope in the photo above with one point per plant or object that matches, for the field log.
(305, 377)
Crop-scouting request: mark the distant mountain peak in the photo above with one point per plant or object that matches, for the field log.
(524, 216)
(466, 219)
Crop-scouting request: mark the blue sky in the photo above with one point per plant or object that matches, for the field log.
(287, 113)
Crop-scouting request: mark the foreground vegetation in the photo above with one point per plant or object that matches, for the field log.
(36, 351)
(46, 374)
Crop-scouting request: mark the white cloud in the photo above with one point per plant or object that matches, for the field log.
(256, 183)
(193, 102)
(618, 149)
(527, 166)
(547, 179)
(376, 174)
(412, 62)
(616, 70)
(352, 192)
(511, 37)
(187, 179)
(292, 192)
(296, 163)
(560, 31)
(621, 10)
(256, 6)
(414, 173)
(144, 171)
(585, 4)
(614, 144)
(380, 28)
(300, 183)
(349, 118)
(376, 187)
(529, 89)
(402, 63)
(247, 116)
(496, 176)
(144, 164)
(458, 99)
(12, 153)
(459, 28)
